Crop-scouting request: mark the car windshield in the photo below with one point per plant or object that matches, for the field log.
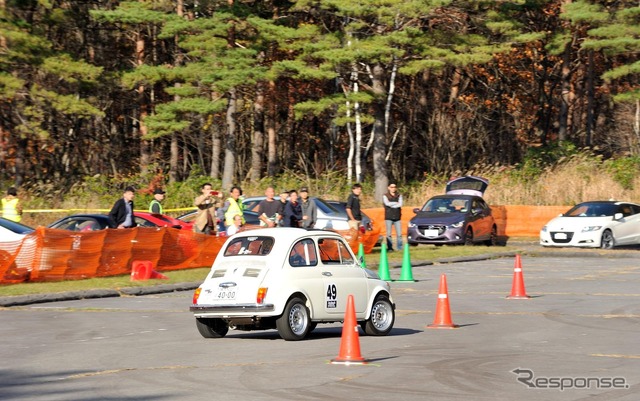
(446, 205)
(254, 245)
(592, 210)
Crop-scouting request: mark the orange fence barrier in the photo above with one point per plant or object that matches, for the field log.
(511, 220)
(49, 254)
(53, 255)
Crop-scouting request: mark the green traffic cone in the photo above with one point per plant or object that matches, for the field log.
(383, 270)
(363, 264)
(405, 273)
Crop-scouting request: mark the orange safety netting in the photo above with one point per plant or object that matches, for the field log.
(53, 255)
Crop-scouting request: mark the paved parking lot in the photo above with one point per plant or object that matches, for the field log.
(579, 331)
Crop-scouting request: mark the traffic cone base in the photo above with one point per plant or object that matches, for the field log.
(158, 275)
(442, 319)
(350, 342)
(405, 273)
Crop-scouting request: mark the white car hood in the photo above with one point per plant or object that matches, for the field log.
(562, 223)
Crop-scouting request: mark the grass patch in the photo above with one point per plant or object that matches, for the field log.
(115, 282)
(433, 253)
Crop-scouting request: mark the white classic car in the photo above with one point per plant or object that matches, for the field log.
(599, 224)
(289, 279)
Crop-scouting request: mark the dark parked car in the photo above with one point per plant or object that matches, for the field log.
(460, 216)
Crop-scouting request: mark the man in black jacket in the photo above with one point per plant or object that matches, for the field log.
(121, 214)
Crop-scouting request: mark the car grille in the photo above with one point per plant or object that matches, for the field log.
(441, 228)
(554, 234)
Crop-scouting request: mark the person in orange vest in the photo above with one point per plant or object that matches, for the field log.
(11, 206)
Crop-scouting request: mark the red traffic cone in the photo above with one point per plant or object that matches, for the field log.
(350, 342)
(442, 319)
(517, 289)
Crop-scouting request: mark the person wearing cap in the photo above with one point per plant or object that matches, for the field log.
(121, 214)
(309, 209)
(155, 206)
(392, 202)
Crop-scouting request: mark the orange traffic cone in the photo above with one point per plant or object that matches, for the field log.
(350, 342)
(141, 270)
(442, 319)
(517, 289)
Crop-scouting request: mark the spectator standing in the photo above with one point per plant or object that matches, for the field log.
(11, 206)
(292, 211)
(155, 206)
(121, 214)
(284, 196)
(269, 209)
(353, 207)
(235, 226)
(205, 221)
(392, 201)
(309, 209)
(232, 207)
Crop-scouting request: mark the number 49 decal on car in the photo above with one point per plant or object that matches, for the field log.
(332, 296)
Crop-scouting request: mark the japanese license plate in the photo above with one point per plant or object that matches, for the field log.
(430, 233)
(560, 236)
(227, 293)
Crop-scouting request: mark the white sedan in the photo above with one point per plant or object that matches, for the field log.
(289, 279)
(600, 224)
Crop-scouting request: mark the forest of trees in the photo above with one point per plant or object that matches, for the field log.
(246, 89)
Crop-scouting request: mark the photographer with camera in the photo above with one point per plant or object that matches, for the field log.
(207, 203)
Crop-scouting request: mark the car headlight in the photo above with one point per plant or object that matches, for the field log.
(457, 225)
(412, 224)
(590, 228)
(544, 229)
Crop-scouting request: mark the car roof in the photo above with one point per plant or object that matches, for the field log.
(286, 235)
(455, 196)
(467, 185)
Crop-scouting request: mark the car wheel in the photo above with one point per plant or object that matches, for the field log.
(295, 323)
(382, 317)
(468, 236)
(493, 237)
(212, 328)
(607, 242)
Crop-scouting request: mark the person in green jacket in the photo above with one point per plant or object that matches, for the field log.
(155, 206)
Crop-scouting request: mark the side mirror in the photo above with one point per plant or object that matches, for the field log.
(416, 210)
(618, 216)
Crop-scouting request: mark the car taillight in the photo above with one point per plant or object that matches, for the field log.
(262, 292)
(362, 229)
(196, 295)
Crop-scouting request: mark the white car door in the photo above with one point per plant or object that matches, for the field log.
(342, 277)
(627, 230)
